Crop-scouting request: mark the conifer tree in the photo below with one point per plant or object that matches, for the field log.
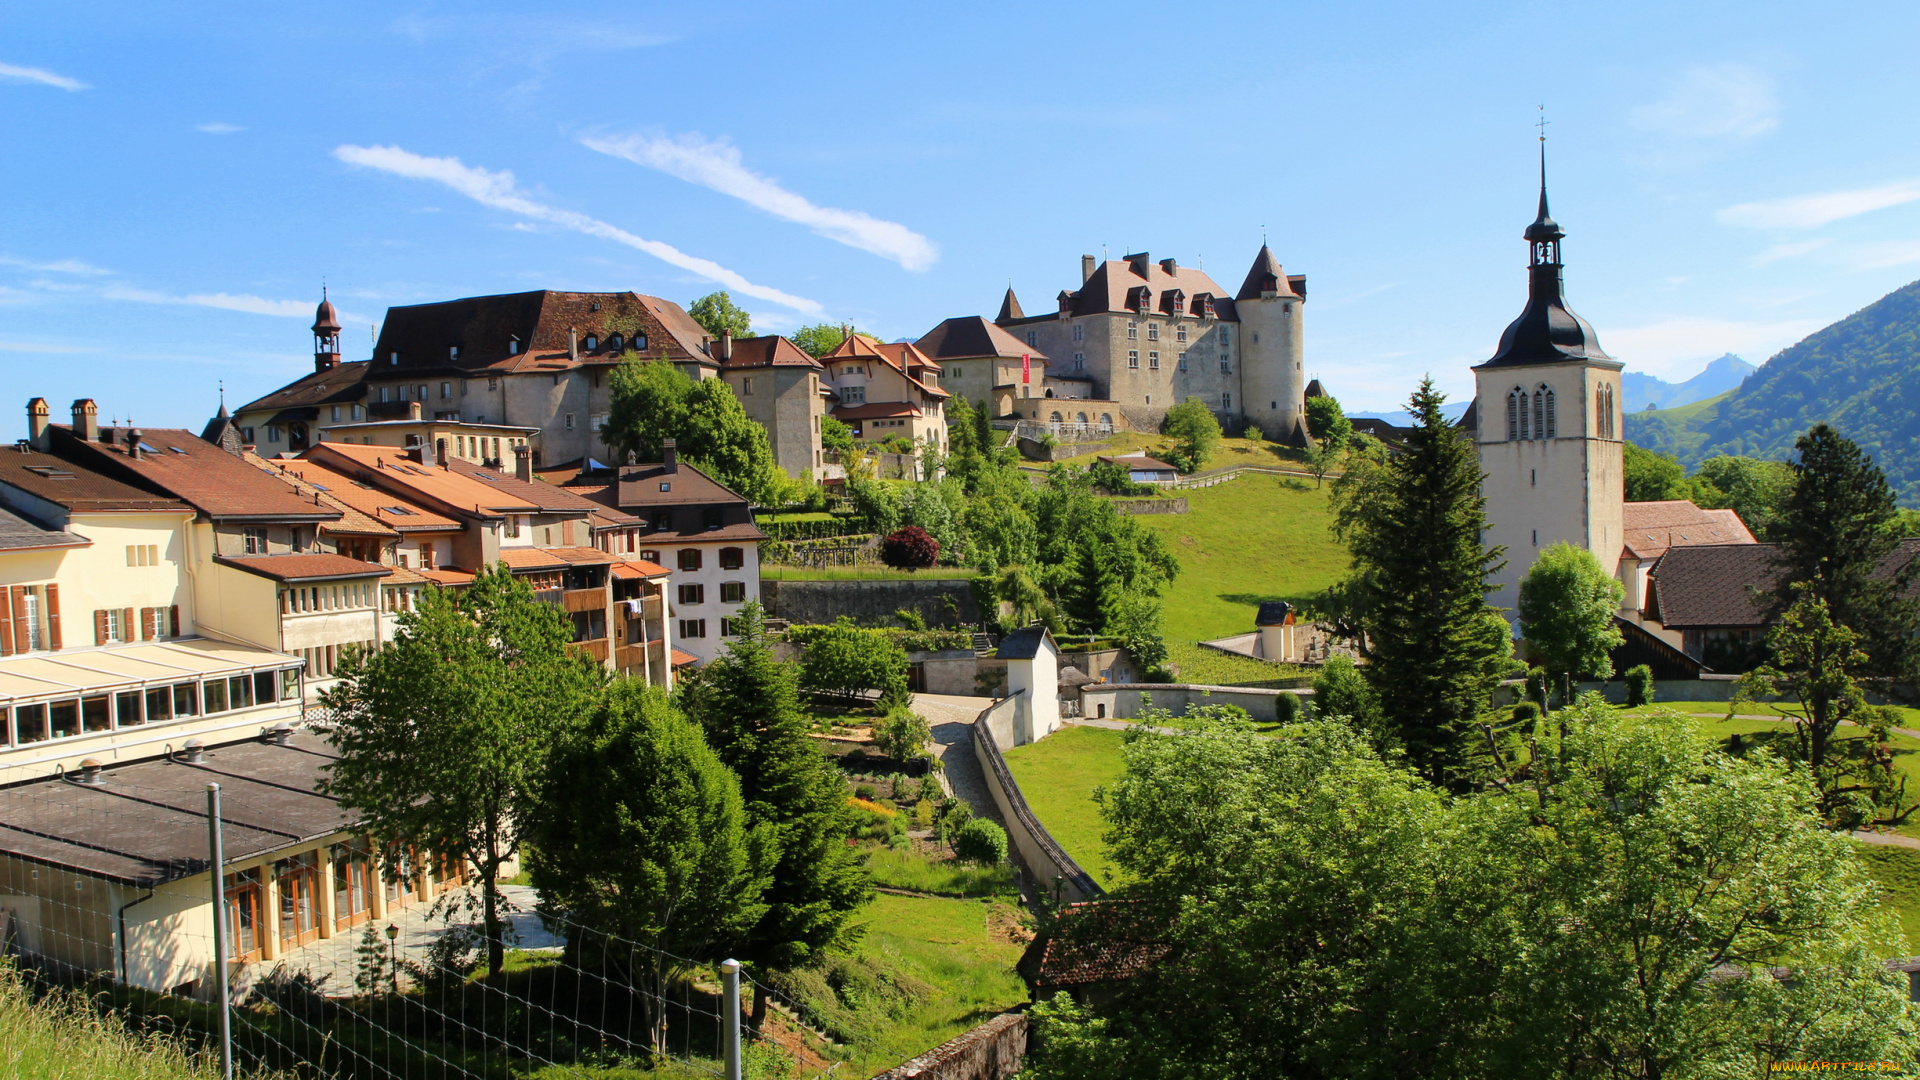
(1835, 531)
(749, 704)
(1417, 594)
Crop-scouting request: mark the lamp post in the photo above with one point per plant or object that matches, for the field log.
(393, 956)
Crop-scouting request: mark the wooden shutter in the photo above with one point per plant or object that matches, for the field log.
(127, 625)
(6, 619)
(173, 621)
(53, 617)
(146, 624)
(566, 533)
(100, 626)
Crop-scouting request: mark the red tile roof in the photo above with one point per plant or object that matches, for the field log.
(1650, 528)
(546, 324)
(546, 496)
(519, 558)
(901, 356)
(307, 476)
(441, 489)
(452, 579)
(319, 566)
(769, 351)
(178, 462)
(631, 569)
(80, 489)
(874, 410)
(340, 383)
(1100, 941)
(682, 659)
(972, 336)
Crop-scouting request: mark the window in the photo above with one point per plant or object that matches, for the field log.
(1153, 331)
(453, 352)
(1153, 361)
(246, 434)
(1553, 423)
(143, 555)
(1133, 358)
(692, 593)
(1079, 332)
(334, 413)
(853, 395)
(354, 412)
(383, 393)
(693, 628)
(732, 558)
(1226, 402)
(746, 385)
(1079, 361)
(650, 556)
(1226, 337)
(1225, 363)
(215, 692)
(110, 625)
(613, 343)
(446, 390)
(1513, 417)
(689, 559)
(1183, 360)
(1180, 333)
(1539, 414)
(733, 592)
(593, 342)
(726, 628)
(1033, 338)
(513, 349)
(1133, 330)
(569, 421)
(256, 540)
(513, 527)
(273, 433)
(492, 385)
(393, 360)
(639, 341)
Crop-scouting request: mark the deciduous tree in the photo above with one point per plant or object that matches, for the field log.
(717, 314)
(1195, 431)
(653, 401)
(443, 734)
(1652, 476)
(846, 661)
(1568, 606)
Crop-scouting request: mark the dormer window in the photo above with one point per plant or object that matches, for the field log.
(613, 343)
(453, 352)
(393, 359)
(593, 342)
(639, 341)
(513, 346)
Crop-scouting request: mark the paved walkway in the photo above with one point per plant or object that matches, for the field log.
(1886, 838)
(331, 961)
(951, 718)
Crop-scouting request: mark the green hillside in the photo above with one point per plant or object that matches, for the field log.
(1862, 375)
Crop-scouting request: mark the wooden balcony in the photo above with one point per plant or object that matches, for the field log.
(583, 600)
(630, 656)
(597, 648)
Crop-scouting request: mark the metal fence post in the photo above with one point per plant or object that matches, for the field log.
(730, 969)
(217, 862)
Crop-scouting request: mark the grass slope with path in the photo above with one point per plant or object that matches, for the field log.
(1058, 775)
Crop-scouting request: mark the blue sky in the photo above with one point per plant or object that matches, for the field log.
(181, 178)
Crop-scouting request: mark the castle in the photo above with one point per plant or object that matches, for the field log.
(1147, 335)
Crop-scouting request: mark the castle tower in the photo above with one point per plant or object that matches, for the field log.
(1272, 310)
(1549, 425)
(326, 334)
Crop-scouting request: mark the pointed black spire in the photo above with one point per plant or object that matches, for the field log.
(1544, 230)
(1547, 331)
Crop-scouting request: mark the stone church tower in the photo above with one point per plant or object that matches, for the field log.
(1548, 426)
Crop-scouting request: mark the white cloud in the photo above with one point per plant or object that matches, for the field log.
(42, 76)
(1726, 101)
(1788, 251)
(716, 164)
(37, 347)
(1812, 211)
(219, 128)
(1672, 345)
(58, 266)
(498, 190)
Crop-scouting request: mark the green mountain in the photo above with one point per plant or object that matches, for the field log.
(1862, 375)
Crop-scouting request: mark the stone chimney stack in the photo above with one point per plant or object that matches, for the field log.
(413, 410)
(670, 455)
(573, 344)
(726, 345)
(37, 424)
(1086, 268)
(523, 463)
(86, 420)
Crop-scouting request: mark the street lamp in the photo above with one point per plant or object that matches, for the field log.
(393, 957)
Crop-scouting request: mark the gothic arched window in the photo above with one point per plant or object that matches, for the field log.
(1539, 415)
(1517, 414)
(1552, 430)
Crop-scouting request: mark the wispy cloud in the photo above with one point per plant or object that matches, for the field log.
(715, 164)
(217, 128)
(40, 347)
(1787, 251)
(58, 266)
(1812, 211)
(252, 305)
(16, 73)
(498, 190)
(1721, 101)
(1672, 344)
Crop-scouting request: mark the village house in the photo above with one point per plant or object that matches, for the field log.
(887, 392)
(778, 383)
(995, 371)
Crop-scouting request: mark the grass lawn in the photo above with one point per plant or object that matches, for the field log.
(1214, 668)
(1898, 872)
(945, 955)
(1250, 539)
(1058, 776)
(911, 870)
(860, 573)
(60, 1036)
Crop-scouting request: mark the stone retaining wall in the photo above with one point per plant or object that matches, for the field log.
(1053, 870)
(992, 1051)
(1126, 701)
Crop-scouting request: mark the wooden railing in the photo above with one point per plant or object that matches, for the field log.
(583, 600)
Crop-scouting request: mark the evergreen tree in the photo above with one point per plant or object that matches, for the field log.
(749, 704)
(1417, 593)
(1834, 533)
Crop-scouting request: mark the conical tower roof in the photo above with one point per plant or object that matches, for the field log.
(1009, 308)
(1265, 276)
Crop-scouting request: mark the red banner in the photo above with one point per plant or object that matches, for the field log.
(1026, 367)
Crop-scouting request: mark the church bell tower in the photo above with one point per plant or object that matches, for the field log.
(326, 334)
(1548, 429)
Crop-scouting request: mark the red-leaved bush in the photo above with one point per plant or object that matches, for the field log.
(910, 548)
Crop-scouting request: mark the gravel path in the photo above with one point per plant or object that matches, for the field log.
(952, 721)
(1889, 839)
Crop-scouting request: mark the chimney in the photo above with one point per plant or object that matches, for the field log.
(134, 435)
(726, 345)
(1169, 266)
(278, 734)
(670, 455)
(422, 453)
(90, 772)
(37, 424)
(440, 452)
(86, 420)
(523, 463)
(1086, 268)
(196, 752)
(1139, 263)
(413, 410)
(573, 344)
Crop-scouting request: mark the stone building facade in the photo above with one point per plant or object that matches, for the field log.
(1152, 334)
(779, 385)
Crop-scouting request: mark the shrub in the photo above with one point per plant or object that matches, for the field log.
(845, 661)
(1287, 708)
(1537, 687)
(909, 547)
(1526, 712)
(930, 790)
(1254, 434)
(981, 841)
(1639, 685)
(902, 734)
(923, 814)
(864, 791)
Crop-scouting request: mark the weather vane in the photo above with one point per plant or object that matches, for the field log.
(1542, 123)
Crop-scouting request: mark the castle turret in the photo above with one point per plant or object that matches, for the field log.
(1272, 310)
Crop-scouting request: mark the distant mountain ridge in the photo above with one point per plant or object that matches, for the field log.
(1452, 410)
(1638, 391)
(1861, 374)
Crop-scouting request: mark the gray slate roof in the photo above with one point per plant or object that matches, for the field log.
(1024, 643)
(19, 532)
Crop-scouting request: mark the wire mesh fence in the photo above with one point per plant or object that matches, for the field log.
(333, 964)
